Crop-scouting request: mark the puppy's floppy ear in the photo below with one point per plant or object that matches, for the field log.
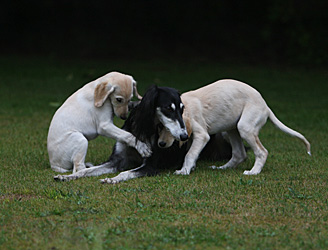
(102, 91)
(135, 91)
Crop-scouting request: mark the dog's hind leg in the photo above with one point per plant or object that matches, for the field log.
(260, 152)
(117, 161)
(249, 130)
(144, 170)
(80, 150)
(238, 151)
(106, 168)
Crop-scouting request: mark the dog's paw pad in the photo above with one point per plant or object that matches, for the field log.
(144, 149)
(65, 177)
(59, 178)
(103, 181)
(108, 181)
(146, 153)
(246, 172)
(181, 172)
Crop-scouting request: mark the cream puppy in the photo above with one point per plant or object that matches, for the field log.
(231, 106)
(88, 113)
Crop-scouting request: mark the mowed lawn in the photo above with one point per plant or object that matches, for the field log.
(284, 207)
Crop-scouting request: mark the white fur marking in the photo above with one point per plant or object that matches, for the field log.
(169, 124)
(173, 106)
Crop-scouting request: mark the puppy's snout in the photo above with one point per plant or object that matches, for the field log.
(162, 144)
(184, 137)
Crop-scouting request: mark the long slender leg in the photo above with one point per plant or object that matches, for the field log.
(80, 151)
(238, 151)
(106, 168)
(249, 127)
(217, 149)
(260, 152)
(110, 130)
(119, 160)
(198, 143)
(144, 170)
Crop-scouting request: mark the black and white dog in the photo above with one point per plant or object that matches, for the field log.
(160, 108)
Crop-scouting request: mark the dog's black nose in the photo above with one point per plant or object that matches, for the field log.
(184, 137)
(123, 117)
(162, 144)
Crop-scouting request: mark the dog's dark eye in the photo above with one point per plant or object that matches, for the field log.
(119, 100)
(169, 108)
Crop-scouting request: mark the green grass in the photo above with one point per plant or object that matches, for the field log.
(285, 207)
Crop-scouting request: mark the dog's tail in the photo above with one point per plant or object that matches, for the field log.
(289, 131)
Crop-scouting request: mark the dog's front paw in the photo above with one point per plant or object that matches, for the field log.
(181, 172)
(59, 178)
(246, 172)
(109, 181)
(143, 149)
(65, 177)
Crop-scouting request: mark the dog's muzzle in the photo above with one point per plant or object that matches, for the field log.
(184, 137)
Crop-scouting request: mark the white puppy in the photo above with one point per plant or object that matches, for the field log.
(232, 106)
(88, 113)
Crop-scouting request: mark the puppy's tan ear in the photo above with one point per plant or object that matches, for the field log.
(135, 91)
(102, 91)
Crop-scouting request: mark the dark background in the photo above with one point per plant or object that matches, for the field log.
(280, 32)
